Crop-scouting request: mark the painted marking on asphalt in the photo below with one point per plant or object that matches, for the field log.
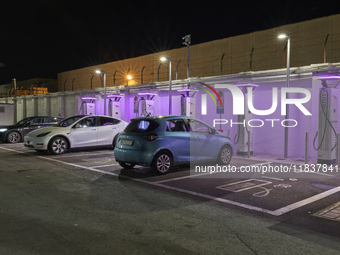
(277, 212)
(77, 155)
(66, 163)
(306, 201)
(243, 185)
(105, 165)
(277, 179)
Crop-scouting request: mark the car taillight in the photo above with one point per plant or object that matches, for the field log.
(150, 137)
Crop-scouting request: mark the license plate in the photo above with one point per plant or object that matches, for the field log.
(127, 142)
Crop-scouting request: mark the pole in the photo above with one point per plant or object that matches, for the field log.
(337, 150)
(287, 109)
(248, 153)
(170, 88)
(104, 93)
(306, 148)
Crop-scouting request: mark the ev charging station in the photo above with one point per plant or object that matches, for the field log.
(188, 102)
(89, 105)
(244, 137)
(115, 106)
(327, 118)
(146, 104)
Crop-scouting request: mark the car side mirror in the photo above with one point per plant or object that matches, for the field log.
(77, 126)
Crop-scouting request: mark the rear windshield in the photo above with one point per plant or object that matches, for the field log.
(139, 126)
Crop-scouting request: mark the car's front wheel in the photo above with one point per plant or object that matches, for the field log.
(13, 137)
(162, 163)
(58, 146)
(114, 143)
(126, 165)
(225, 155)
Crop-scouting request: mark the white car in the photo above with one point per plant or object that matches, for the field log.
(75, 132)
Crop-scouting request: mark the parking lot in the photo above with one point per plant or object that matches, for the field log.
(267, 193)
(83, 201)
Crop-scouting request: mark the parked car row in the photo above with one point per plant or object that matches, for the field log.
(159, 142)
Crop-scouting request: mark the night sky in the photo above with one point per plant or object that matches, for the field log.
(39, 39)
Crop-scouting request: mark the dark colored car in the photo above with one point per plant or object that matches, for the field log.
(15, 133)
(163, 141)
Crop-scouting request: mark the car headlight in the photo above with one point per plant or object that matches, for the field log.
(3, 129)
(43, 134)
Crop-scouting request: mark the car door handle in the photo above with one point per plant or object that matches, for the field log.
(114, 128)
(93, 129)
(197, 138)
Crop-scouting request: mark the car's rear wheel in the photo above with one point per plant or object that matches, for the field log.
(162, 163)
(58, 146)
(225, 155)
(126, 165)
(13, 137)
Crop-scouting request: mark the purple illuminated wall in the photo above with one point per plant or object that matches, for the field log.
(267, 140)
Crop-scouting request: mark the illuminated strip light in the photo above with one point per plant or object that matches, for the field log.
(326, 77)
(89, 98)
(114, 95)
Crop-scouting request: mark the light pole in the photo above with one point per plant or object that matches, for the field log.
(282, 36)
(170, 86)
(104, 73)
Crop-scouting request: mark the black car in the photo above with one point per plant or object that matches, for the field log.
(15, 133)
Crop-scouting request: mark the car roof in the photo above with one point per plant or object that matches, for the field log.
(167, 117)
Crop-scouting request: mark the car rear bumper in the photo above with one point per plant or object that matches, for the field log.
(134, 157)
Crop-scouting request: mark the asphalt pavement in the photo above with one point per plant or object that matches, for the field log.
(82, 202)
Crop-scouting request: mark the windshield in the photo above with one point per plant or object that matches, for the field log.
(139, 126)
(69, 121)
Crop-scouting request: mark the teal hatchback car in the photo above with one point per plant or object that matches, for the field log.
(163, 141)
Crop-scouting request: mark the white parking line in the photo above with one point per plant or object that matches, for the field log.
(66, 163)
(105, 165)
(77, 155)
(277, 212)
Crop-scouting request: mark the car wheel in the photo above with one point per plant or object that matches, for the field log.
(13, 137)
(115, 141)
(58, 146)
(225, 155)
(126, 165)
(162, 163)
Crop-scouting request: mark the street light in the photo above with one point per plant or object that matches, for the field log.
(129, 77)
(104, 73)
(170, 87)
(283, 36)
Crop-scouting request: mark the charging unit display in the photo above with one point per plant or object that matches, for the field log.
(244, 135)
(327, 125)
(115, 106)
(188, 102)
(89, 106)
(146, 104)
(90, 109)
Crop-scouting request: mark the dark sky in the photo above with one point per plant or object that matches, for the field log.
(41, 38)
